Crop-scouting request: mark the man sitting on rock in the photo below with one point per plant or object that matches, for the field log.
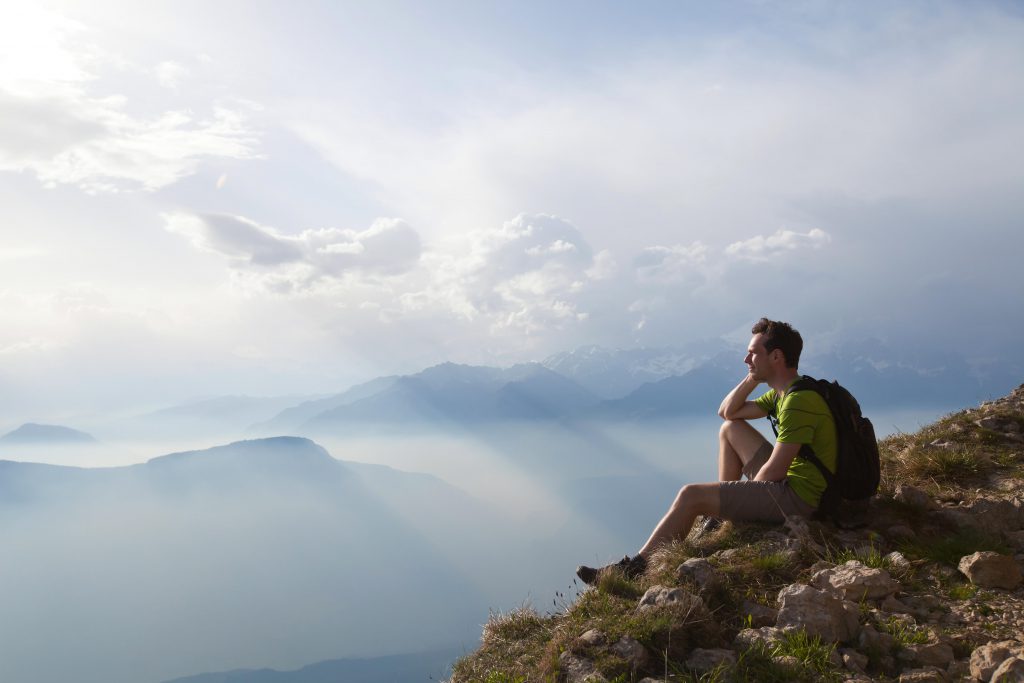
(779, 483)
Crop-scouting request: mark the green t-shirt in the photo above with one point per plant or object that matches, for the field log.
(804, 417)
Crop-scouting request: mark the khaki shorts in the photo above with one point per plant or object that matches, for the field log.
(760, 501)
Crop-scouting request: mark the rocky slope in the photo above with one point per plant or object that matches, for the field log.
(929, 590)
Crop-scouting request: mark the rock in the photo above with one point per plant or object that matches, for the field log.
(820, 612)
(632, 651)
(986, 658)
(942, 445)
(856, 581)
(1000, 516)
(853, 661)
(928, 654)
(911, 495)
(926, 675)
(991, 570)
(592, 638)
(872, 639)
(891, 604)
(994, 424)
(788, 661)
(749, 637)
(701, 572)
(1011, 670)
(897, 560)
(1016, 538)
(727, 554)
(702, 660)
(578, 670)
(659, 596)
(759, 614)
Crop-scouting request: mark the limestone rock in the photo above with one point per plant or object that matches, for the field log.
(766, 635)
(592, 638)
(857, 581)
(897, 559)
(925, 675)
(1010, 671)
(759, 614)
(853, 661)
(991, 570)
(911, 495)
(701, 572)
(1002, 516)
(986, 658)
(872, 639)
(820, 612)
(578, 670)
(632, 651)
(659, 596)
(928, 654)
(703, 660)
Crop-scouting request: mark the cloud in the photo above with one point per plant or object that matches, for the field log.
(761, 248)
(57, 128)
(296, 263)
(170, 74)
(670, 265)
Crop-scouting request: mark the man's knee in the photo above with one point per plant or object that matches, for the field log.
(697, 496)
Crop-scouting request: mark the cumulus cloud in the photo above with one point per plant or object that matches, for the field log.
(294, 263)
(56, 127)
(670, 265)
(170, 74)
(763, 248)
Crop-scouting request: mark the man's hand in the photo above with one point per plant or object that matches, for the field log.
(735, 406)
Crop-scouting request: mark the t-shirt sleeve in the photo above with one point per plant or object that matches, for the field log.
(766, 401)
(799, 416)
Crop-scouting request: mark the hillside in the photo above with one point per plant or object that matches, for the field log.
(31, 433)
(929, 590)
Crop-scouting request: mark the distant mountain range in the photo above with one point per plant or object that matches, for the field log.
(413, 668)
(31, 433)
(633, 384)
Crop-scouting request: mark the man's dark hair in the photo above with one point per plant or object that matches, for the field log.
(782, 336)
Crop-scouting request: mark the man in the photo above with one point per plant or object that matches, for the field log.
(779, 483)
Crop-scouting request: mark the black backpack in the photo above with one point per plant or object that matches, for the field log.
(858, 469)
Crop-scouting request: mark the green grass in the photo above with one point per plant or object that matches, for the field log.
(903, 633)
(813, 661)
(770, 562)
(962, 591)
(951, 547)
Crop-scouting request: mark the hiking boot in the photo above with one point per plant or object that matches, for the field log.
(630, 567)
(707, 525)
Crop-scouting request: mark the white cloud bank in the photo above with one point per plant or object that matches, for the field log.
(762, 248)
(61, 126)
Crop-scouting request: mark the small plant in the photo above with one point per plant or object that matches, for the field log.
(771, 562)
(904, 633)
(963, 591)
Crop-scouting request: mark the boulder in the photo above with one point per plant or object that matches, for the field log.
(578, 670)
(872, 639)
(897, 560)
(996, 515)
(592, 638)
(911, 495)
(986, 658)
(855, 581)
(991, 570)
(820, 612)
(632, 651)
(702, 660)
(749, 637)
(701, 573)
(759, 614)
(928, 654)
(925, 675)
(853, 661)
(660, 596)
(1010, 671)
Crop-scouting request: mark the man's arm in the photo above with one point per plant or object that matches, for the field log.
(778, 463)
(735, 406)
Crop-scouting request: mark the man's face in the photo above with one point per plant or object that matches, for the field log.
(757, 358)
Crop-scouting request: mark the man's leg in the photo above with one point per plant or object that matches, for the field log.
(693, 500)
(738, 442)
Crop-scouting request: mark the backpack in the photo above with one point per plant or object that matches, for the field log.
(858, 469)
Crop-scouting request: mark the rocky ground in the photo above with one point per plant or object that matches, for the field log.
(930, 589)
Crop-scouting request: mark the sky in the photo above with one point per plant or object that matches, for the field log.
(274, 198)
